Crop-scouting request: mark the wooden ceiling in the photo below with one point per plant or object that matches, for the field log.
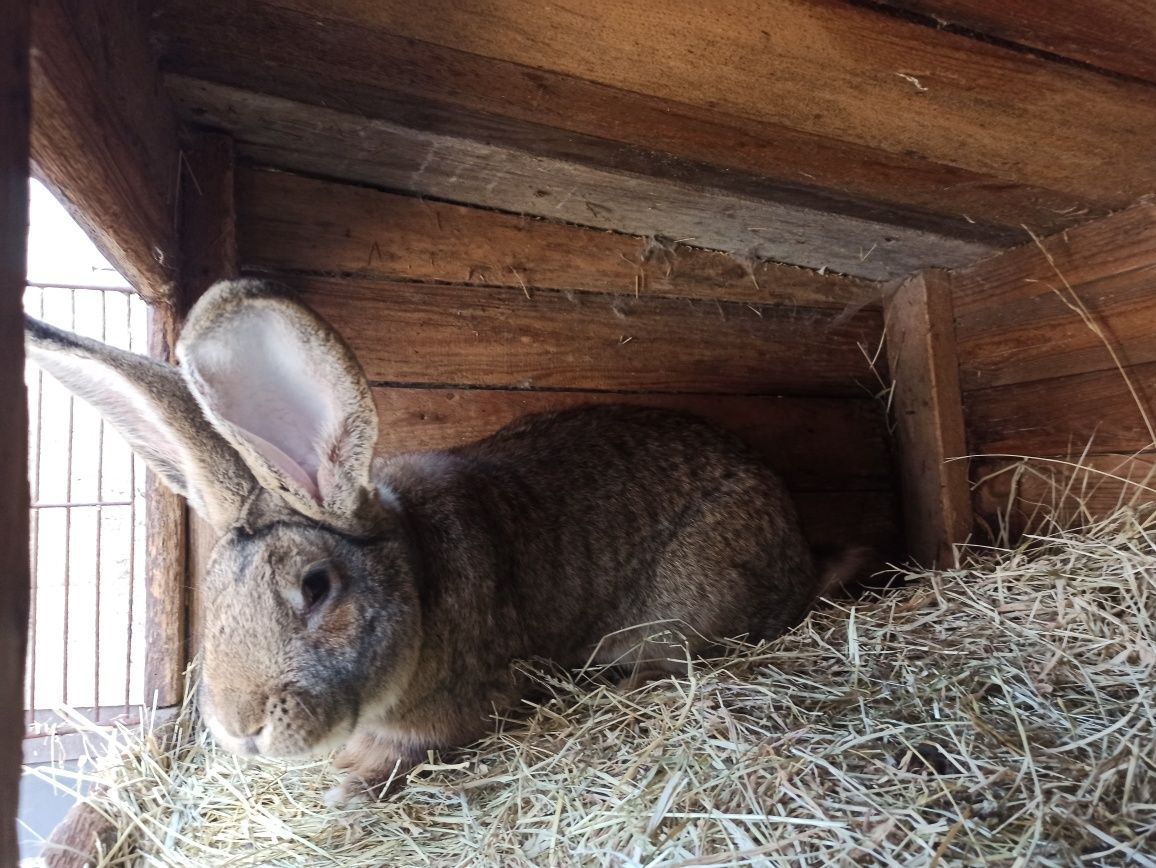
(871, 139)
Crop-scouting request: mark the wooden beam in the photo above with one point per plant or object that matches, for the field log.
(845, 72)
(331, 143)
(367, 71)
(166, 597)
(1018, 314)
(472, 336)
(104, 136)
(1117, 35)
(14, 575)
(208, 254)
(928, 417)
(293, 223)
(208, 215)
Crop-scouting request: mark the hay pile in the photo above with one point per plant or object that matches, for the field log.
(1002, 713)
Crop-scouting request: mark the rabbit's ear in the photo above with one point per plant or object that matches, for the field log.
(288, 393)
(150, 405)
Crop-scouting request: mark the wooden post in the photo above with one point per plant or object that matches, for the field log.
(14, 578)
(179, 542)
(208, 215)
(208, 254)
(928, 414)
(166, 588)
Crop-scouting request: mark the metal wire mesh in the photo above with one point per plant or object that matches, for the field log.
(86, 635)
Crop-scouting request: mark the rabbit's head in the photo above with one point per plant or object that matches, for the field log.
(309, 604)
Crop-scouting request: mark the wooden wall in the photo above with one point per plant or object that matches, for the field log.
(14, 116)
(1057, 360)
(465, 318)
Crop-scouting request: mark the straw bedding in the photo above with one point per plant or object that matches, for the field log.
(1000, 713)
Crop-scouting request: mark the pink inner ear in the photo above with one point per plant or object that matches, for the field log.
(281, 462)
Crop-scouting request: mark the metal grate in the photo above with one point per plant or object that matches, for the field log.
(86, 636)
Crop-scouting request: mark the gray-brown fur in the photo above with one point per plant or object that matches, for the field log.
(439, 569)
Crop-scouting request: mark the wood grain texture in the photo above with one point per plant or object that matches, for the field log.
(104, 136)
(292, 223)
(823, 67)
(166, 602)
(928, 417)
(80, 838)
(816, 444)
(322, 141)
(208, 254)
(368, 71)
(1021, 496)
(1118, 35)
(433, 334)
(1017, 319)
(14, 574)
(208, 216)
(1064, 415)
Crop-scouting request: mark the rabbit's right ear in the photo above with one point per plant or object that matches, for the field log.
(150, 405)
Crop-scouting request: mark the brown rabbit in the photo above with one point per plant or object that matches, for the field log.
(379, 603)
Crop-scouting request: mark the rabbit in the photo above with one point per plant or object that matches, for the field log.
(376, 604)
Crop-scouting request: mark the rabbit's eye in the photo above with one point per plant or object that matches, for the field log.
(315, 587)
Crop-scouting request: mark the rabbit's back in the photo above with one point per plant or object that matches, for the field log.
(564, 527)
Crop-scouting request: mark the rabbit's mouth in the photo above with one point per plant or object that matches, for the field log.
(287, 726)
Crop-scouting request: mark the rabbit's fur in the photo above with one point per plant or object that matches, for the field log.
(378, 603)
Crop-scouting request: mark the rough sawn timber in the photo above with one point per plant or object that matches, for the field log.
(480, 336)
(929, 430)
(825, 67)
(1117, 35)
(326, 142)
(14, 573)
(367, 71)
(292, 223)
(104, 135)
(1017, 314)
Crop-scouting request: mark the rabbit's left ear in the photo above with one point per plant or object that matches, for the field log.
(287, 392)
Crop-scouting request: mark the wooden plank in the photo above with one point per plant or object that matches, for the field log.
(166, 545)
(1017, 320)
(14, 574)
(256, 46)
(208, 215)
(1064, 415)
(1048, 336)
(1021, 496)
(331, 143)
(816, 444)
(1095, 251)
(208, 254)
(104, 136)
(1117, 35)
(293, 223)
(433, 334)
(824, 67)
(928, 417)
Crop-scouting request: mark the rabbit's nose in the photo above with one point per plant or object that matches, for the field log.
(244, 720)
(249, 743)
